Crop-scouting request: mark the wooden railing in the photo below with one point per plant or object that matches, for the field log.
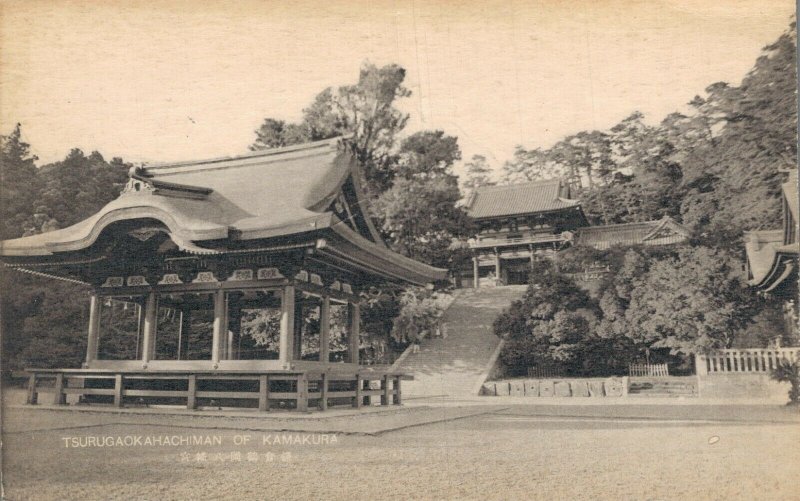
(744, 361)
(268, 389)
(501, 240)
(648, 370)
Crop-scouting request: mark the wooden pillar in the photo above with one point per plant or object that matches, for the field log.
(555, 258)
(118, 390)
(183, 333)
(475, 272)
(398, 397)
(355, 329)
(229, 352)
(323, 392)
(263, 392)
(94, 329)
(287, 326)
(149, 334)
(59, 398)
(302, 392)
(218, 335)
(32, 393)
(191, 396)
(325, 329)
(386, 397)
(497, 267)
(357, 401)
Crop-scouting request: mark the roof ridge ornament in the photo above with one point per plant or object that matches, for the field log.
(140, 181)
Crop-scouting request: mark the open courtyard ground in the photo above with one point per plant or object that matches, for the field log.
(464, 451)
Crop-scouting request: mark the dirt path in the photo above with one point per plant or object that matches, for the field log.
(498, 454)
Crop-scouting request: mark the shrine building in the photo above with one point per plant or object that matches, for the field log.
(226, 281)
(520, 223)
(772, 257)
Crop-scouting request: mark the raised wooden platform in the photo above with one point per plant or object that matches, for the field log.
(299, 390)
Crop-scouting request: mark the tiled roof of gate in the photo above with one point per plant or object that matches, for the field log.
(525, 198)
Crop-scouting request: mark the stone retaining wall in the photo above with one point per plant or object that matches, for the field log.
(560, 387)
(735, 385)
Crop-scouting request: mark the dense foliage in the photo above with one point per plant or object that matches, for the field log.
(413, 193)
(44, 321)
(789, 372)
(717, 170)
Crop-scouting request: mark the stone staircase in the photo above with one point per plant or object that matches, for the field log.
(667, 386)
(456, 364)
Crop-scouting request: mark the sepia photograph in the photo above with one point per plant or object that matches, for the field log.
(399, 250)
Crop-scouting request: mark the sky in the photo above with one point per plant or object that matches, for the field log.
(157, 81)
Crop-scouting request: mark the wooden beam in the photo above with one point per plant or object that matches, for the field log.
(287, 327)
(94, 329)
(324, 329)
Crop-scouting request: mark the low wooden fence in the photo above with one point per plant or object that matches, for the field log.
(648, 370)
(265, 390)
(544, 372)
(744, 361)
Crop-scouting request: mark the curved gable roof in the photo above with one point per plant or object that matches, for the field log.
(264, 194)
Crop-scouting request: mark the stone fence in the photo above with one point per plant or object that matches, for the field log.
(744, 361)
(560, 387)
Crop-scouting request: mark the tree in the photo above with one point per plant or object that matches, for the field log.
(746, 137)
(55, 195)
(420, 310)
(789, 372)
(478, 173)
(20, 184)
(422, 221)
(585, 156)
(692, 303)
(277, 133)
(427, 155)
(530, 165)
(418, 213)
(548, 325)
(365, 110)
(78, 186)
